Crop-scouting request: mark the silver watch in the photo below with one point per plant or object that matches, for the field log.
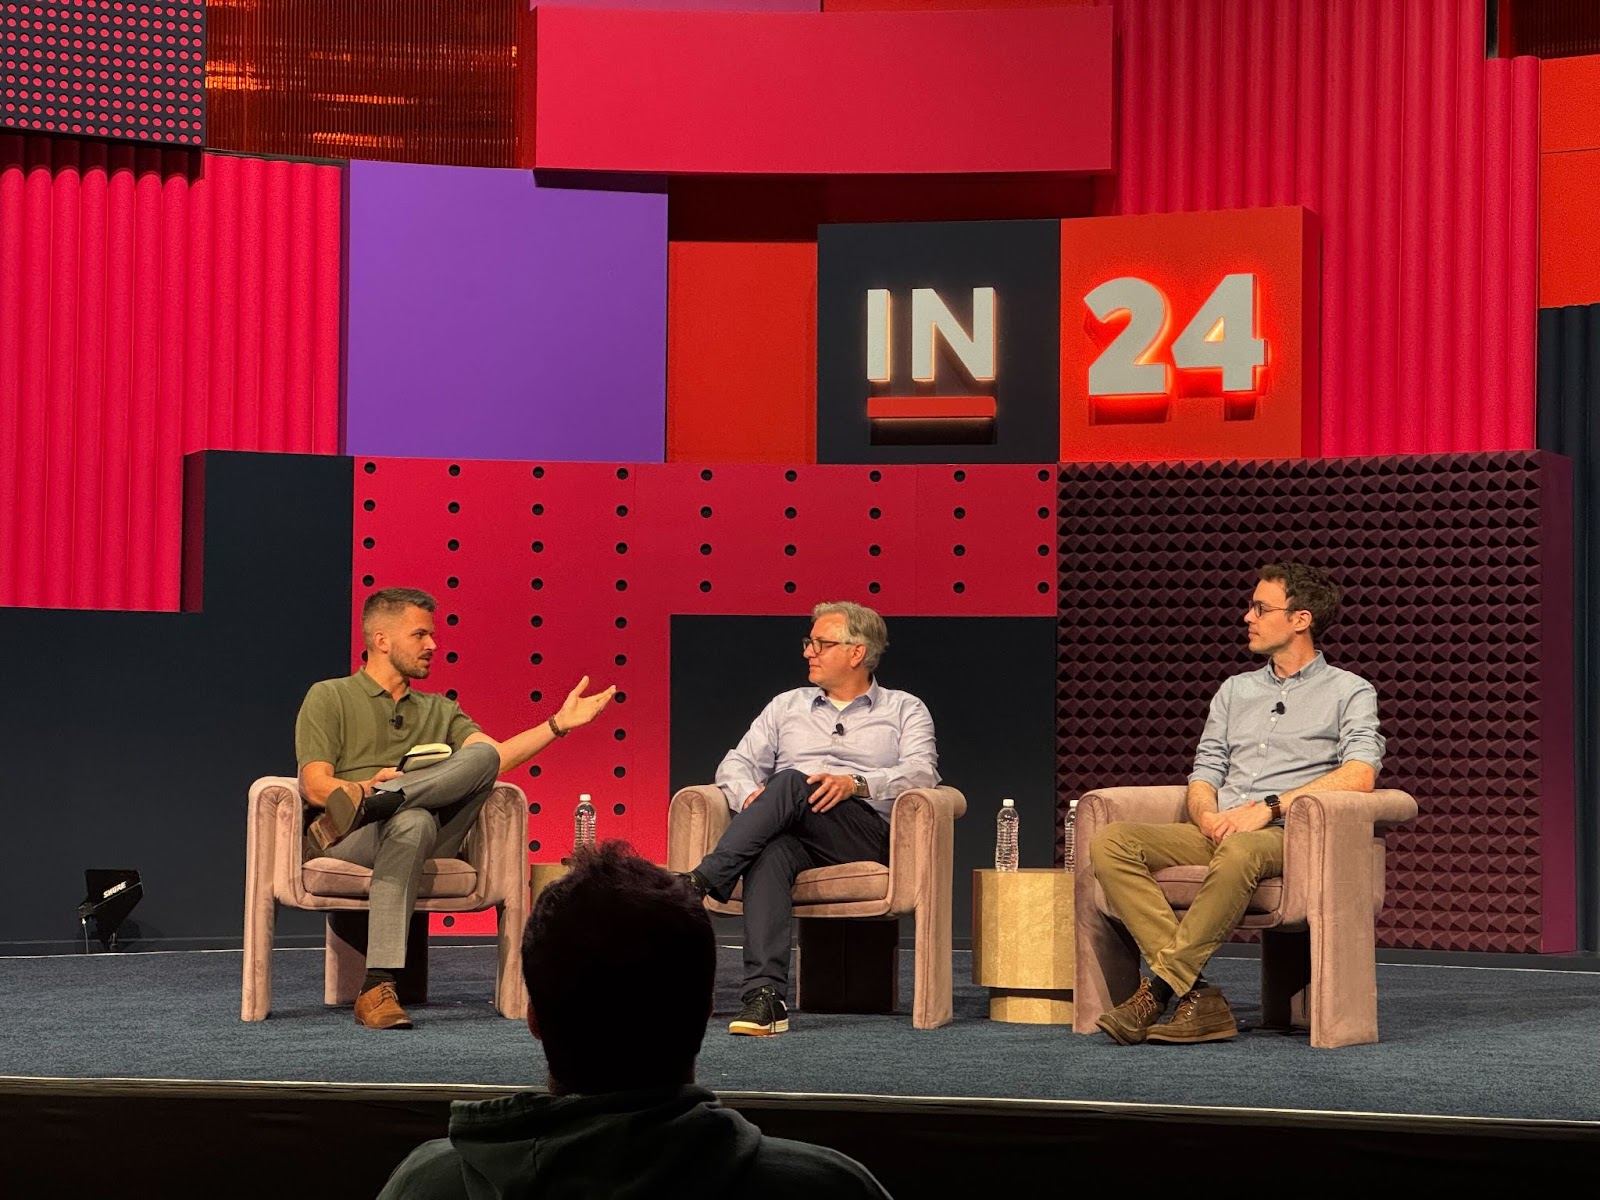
(861, 786)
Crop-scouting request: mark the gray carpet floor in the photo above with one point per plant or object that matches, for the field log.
(1456, 1041)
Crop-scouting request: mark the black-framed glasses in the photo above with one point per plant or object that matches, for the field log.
(1261, 610)
(818, 645)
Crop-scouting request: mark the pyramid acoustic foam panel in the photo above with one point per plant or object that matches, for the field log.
(1457, 579)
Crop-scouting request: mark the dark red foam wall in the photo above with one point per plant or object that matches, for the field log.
(545, 572)
(1457, 573)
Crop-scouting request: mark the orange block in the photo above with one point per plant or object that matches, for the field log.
(1569, 239)
(1190, 335)
(741, 352)
(1569, 119)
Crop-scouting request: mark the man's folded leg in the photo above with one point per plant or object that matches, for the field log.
(467, 776)
(781, 804)
(467, 772)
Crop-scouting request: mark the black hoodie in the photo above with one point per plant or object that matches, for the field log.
(664, 1142)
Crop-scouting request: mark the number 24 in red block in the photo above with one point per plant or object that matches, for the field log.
(1220, 336)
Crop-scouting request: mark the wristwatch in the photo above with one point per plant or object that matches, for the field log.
(861, 786)
(1274, 807)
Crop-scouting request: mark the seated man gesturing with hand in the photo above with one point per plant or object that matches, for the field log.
(350, 738)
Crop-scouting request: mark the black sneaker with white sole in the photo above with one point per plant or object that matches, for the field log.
(764, 1014)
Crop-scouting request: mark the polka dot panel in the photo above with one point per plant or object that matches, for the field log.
(1457, 608)
(104, 68)
(546, 572)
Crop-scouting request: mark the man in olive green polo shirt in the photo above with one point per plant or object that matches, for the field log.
(350, 738)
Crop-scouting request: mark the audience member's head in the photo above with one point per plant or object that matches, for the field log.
(620, 965)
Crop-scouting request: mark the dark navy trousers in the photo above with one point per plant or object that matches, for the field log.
(768, 844)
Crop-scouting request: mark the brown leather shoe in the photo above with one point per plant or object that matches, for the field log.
(379, 1008)
(1202, 1015)
(1130, 1021)
(344, 814)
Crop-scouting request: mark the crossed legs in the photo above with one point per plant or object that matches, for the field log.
(768, 844)
(441, 803)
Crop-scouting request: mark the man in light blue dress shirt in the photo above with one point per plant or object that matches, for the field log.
(811, 784)
(1296, 725)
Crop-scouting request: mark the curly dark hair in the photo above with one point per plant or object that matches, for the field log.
(1307, 588)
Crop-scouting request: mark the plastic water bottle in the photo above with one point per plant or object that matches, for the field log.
(1069, 838)
(583, 822)
(1005, 836)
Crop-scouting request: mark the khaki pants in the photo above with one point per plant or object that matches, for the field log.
(1126, 857)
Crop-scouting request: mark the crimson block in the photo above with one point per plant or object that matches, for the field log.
(812, 93)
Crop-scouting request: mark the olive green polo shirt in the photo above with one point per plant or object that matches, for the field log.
(349, 722)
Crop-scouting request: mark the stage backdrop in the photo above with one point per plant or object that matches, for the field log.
(1457, 572)
(138, 734)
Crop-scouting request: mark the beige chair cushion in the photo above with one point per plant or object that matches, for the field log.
(442, 879)
(843, 883)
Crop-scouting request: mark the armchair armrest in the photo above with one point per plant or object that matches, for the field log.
(273, 837)
(921, 843)
(497, 846)
(1379, 811)
(1328, 843)
(1150, 805)
(695, 820)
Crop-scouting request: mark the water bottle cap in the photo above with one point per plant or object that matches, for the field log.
(1008, 802)
(583, 797)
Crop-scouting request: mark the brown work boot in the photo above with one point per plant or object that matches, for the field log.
(379, 1008)
(1202, 1015)
(1129, 1021)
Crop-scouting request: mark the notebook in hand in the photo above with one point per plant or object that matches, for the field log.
(424, 756)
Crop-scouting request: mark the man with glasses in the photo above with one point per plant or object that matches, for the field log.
(351, 738)
(811, 784)
(1294, 726)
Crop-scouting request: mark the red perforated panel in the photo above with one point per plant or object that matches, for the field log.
(545, 572)
(105, 68)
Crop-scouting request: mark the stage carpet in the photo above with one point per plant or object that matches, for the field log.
(132, 1072)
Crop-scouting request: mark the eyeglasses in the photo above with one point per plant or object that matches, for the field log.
(811, 645)
(1261, 610)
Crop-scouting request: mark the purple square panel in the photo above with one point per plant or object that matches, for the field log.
(492, 318)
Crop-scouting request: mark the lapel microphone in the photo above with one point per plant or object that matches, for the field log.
(399, 722)
(1279, 708)
(838, 729)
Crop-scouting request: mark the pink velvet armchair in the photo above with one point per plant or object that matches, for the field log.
(494, 874)
(853, 964)
(1317, 922)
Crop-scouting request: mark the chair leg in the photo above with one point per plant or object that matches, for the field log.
(510, 989)
(1285, 978)
(260, 922)
(1105, 968)
(848, 965)
(411, 980)
(932, 991)
(344, 956)
(345, 959)
(1344, 983)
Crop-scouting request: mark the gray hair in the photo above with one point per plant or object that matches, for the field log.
(391, 602)
(862, 627)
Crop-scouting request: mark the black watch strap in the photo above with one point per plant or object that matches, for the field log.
(1274, 807)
